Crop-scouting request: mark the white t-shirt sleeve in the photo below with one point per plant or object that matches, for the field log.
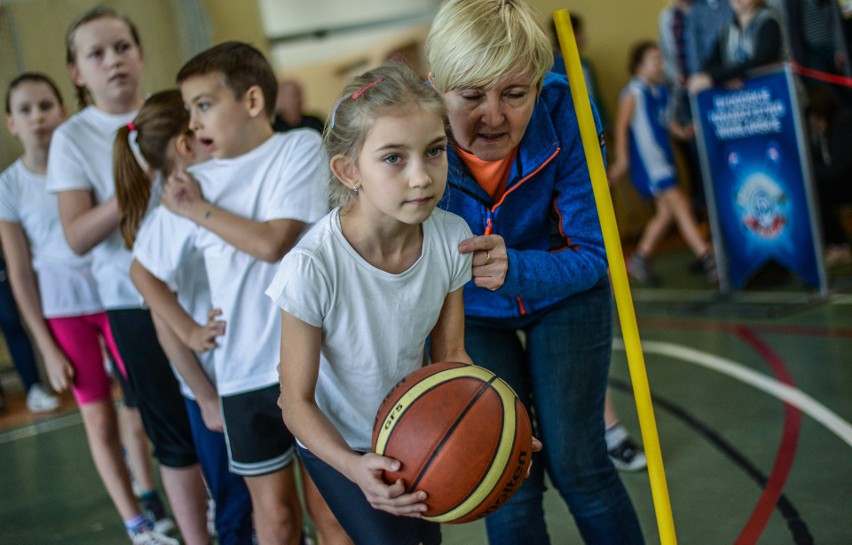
(300, 288)
(8, 198)
(65, 165)
(300, 190)
(463, 264)
(163, 243)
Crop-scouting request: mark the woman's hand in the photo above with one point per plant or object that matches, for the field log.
(366, 472)
(490, 260)
(181, 194)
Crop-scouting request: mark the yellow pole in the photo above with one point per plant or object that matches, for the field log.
(618, 274)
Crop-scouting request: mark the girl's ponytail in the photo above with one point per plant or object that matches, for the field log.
(132, 186)
(160, 120)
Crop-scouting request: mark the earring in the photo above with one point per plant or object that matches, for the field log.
(355, 190)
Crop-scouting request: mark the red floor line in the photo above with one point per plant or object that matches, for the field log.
(805, 331)
(786, 449)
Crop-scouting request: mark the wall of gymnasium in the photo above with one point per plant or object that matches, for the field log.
(32, 38)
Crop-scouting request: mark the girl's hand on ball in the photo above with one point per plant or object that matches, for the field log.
(390, 498)
(536, 447)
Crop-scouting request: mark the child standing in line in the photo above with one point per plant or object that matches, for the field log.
(105, 62)
(57, 293)
(260, 190)
(161, 130)
(642, 145)
(383, 247)
(39, 398)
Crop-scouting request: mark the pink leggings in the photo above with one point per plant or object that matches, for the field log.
(79, 337)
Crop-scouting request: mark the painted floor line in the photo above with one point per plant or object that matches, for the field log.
(671, 295)
(808, 405)
(44, 426)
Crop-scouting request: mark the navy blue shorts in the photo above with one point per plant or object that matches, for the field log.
(365, 524)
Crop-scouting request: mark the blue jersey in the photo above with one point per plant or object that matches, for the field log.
(652, 166)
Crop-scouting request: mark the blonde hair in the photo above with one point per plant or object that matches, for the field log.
(386, 89)
(159, 120)
(475, 43)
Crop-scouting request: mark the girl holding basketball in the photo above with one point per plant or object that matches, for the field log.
(363, 290)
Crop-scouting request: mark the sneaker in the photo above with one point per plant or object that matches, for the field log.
(639, 268)
(151, 537)
(626, 456)
(40, 401)
(154, 510)
(708, 263)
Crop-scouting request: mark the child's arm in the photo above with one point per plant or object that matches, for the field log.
(22, 279)
(622, 132)
(682, 131)
(187, 365)
(298, 371)
(165, 304)
(265, 240)
(85, 223)
(447, 337)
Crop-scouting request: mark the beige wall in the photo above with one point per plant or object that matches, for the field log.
(38, 43)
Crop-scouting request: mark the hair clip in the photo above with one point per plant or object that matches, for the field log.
(363, 89)
(334, 111)
(131, 126)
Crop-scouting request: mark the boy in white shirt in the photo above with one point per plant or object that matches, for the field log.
(260, 191)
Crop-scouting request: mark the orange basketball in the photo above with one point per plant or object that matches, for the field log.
(461, 435)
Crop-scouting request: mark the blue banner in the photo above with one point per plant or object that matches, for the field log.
(757, 179)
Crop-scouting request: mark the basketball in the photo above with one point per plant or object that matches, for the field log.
(460, 434)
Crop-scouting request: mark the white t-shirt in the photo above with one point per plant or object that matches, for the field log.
(284, 178)
(374, 323)
(190, 284)
(65, 281)
(81, 158)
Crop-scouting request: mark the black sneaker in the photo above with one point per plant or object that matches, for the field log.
(708, 263)
(626, 456)
(154, 510)
(639, 267)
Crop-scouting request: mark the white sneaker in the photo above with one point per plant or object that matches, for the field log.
(40, 401)
(152, 537)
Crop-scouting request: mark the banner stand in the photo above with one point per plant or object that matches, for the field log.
(758, 180)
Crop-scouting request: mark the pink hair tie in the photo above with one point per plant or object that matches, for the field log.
(131, 126)
(363, 89)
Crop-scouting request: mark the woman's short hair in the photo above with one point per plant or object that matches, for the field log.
(475, 43)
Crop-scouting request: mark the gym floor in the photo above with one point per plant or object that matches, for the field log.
(751, 398)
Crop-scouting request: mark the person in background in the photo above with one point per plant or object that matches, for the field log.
(518, 175)
(288, 109)
(673, 30)
(704, 23)
(58, 296)
(643, 147)
(830, 127)
(579, 29)
(752, 39)
(39, 398)
(105, 61)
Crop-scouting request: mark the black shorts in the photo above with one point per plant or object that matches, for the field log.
(258, 441)
(154, 386)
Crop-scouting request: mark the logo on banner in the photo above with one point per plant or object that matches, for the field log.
(763, 206)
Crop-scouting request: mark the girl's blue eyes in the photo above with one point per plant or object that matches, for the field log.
(396, 159)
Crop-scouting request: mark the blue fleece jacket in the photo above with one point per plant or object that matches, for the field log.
(547, 216)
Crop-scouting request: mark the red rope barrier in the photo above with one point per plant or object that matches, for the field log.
(822, 76)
